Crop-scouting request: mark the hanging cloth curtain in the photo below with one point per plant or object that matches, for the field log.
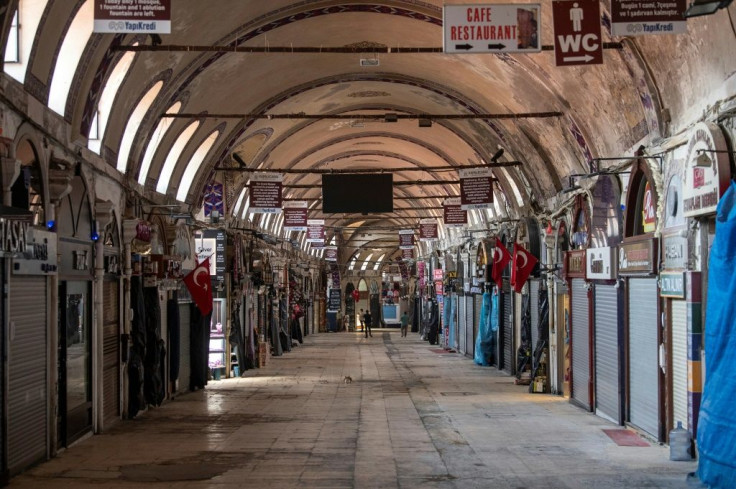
(483, 343)
(717, 425)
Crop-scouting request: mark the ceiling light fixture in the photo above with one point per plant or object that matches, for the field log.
(497, 155)
(423, 122)
(705, 7)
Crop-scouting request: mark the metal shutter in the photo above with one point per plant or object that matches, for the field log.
(453, 322)
(643, 355)
(679, 362)
(534, 292)
(580, 343)
(508, 332)
(185, 333)
(469, 339)
(607, 391)
(27, 366)
(111, 353)
(461, 323)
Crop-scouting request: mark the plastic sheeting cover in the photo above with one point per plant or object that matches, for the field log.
(717, 425)
(484, 341)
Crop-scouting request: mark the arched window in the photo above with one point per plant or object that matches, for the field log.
(245, 214)
(181, 142)
(378, 262)
(366, 261)
(158, 135)
(112, 85)
(20, 39)
(131, 128)
(193, 166)
(239, 201)
(70, 53)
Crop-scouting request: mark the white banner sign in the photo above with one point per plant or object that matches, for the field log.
(132, 16)
(492, 28)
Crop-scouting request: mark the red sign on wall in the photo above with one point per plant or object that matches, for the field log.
(577, 33)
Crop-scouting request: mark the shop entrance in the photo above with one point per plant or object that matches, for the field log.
(75, 353)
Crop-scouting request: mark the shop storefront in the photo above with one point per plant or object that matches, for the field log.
(579, 338)
(506, 337)
(111, 327)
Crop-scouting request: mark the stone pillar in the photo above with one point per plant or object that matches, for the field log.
(103, 216)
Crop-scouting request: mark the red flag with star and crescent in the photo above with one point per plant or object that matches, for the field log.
(522, 267)
(200, 286)
(501, 258)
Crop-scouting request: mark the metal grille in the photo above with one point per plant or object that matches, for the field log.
(607, 389)
(185, 333)
(643, 354)
(534, 293)
(580, 343)
(679, 362)
(27, 366)
(461, 323)
(111, 353)
(508, 332)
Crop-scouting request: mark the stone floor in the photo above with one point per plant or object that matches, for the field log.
(411, 418)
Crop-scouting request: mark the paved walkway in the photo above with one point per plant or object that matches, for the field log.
(411, 418)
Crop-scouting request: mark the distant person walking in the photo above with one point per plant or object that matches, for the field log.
(362, 322)
(404, 324)
(367, 324)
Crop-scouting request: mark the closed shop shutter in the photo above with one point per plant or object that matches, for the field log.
(534, 292)
(643, 355)
(461, 323)
(185, 332)
(27, 366)
(607, 389)
(679, 362)
(111, 353)
(580, 343)
(469, 342)
(508, 332)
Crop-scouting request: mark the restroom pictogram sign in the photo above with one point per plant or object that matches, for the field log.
(577, 32)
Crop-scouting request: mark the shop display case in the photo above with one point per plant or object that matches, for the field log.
(218, 343)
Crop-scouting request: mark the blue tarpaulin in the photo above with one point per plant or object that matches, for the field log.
(717, 424)
(452, 306)
(484, 341)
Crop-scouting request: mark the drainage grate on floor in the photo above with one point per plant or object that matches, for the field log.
(458, 394)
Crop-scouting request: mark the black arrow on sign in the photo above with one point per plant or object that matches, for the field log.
(496, 46)
(464, 46)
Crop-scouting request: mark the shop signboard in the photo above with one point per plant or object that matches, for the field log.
(637, 257)
(39, 256)
(600, 264)
(295, 215)
(132, 16)
(334, 302)
(575, 264)
(707, 173)
(406, 239)
(674, 252)
(210, 243)
(428, 229)
(437, 274)
(454, 215)
(476, 188)
(636, 18)
(265, 193)
(492, 28)
(672, 284)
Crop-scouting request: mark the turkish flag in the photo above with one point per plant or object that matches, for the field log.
(522, 267)
(200, 286)
(501, 258)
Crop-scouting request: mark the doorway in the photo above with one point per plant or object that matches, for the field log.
(75, 362)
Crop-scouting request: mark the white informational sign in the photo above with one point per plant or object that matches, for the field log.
(492, 28)
(707, 170)
(265, 193)
(600, 263)
(295, 215)
(132, 16)
(636, 18)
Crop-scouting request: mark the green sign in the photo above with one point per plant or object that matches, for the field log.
(672, 284)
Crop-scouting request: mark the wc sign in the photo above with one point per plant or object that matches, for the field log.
(577, 32)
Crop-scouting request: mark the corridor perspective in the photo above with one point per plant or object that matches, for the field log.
(414, 416)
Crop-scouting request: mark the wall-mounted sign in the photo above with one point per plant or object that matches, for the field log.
(707, 173)
(476, 188)
(672, 284)
(406, 239)
(330, 253)
(492, 28)
(648, 210)
(427, 229)
(454, 215)
(143, 231)
(575, 264)
(577, 33)
(210, 243)
(674, 252)
(437, 274)
(13, 235)
(637, 258)
(132, 16)
(265, 193)
(39, 256)
(295, 215)
(635, 18)
(600, 263)
(334, 303)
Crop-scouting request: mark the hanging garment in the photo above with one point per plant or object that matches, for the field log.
(174, 325)
(137, 353)
(483, 343)
(717, 425)
(236, 337)
(199, 349)
(434, 324)
(154, 387)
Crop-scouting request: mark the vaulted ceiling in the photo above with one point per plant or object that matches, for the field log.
(552, 120)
